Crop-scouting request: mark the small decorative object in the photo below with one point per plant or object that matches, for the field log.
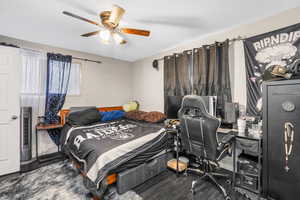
(280, 71)
(155, 64)
(255, 130)
(288, 143)
(41, 120)
(172, 164)
(259, 105)
(241, 123)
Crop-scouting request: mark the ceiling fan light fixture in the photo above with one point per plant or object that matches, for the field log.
(105, 36)
(118, 38)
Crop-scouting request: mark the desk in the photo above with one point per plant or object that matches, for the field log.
(48, 157)
(251, 145)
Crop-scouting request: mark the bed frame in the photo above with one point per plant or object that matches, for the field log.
(63, 113)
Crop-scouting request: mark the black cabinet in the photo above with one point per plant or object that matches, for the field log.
(281, 109)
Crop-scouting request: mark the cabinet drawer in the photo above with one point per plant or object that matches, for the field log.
(133, 177)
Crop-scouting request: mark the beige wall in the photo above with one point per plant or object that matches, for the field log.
(105, 84)
(148, 83)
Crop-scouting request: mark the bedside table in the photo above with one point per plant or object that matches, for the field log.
(52, 157)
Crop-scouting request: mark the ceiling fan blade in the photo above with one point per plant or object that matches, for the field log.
(80, 18)
(116, 15)
(135, 31)
(90, 34)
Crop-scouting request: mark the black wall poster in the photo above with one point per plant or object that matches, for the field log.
(269, 56)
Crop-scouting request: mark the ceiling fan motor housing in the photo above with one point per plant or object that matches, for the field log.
(105, 20)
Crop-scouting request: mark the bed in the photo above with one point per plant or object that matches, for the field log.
(102, 150)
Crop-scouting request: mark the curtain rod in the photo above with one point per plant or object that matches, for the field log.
(85, 59)
(77, 58)
(230, 40)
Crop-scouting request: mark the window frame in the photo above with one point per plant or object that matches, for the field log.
(80, 80)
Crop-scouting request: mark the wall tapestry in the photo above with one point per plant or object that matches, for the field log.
(270, 56)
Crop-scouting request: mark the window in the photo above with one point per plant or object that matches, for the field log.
(33, 83)
(75, 79)
(34, 71)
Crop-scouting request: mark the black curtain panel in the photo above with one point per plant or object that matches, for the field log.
(183, 65)
(224, 89)
(169, 79)
(266, 52)
(177, 75)
(58, 73)
(205, 72)
(200, 71)
(211, 72)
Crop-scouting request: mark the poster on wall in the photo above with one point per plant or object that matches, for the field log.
(270, 56)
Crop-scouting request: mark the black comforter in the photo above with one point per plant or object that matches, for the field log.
(104, 148)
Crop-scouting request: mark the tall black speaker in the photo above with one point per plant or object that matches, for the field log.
(27, 162)
(281, 141)
(26, 133)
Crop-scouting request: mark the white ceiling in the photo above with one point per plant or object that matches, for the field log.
(170, 21)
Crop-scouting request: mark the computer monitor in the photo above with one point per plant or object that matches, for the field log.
(174, 104)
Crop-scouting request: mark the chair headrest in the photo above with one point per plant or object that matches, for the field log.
(194, 102)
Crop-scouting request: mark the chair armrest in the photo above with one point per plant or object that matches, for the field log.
(227, 139)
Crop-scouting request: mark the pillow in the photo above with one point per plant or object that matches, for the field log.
(112, 115)
(131, 106)
(135, 115)
(84, 116)
(75, 109)
(154, 117)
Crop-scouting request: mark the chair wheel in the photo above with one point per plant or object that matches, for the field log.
(227, 198)
(192, 191)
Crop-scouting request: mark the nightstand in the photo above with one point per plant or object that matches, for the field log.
(52, 157)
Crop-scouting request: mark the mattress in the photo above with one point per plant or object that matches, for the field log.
(104, 148)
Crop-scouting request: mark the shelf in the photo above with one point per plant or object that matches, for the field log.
(48, 126)
(51, 158)
(249, 189)
(248, 174)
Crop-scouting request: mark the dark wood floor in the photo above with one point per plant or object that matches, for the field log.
(167, 186)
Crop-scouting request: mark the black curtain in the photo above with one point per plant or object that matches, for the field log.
(183, 66)
(177, 75)
(211, 72)
(58, 74)
(204, 73)
(200, 71)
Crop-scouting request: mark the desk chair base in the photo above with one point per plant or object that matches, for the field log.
(211, 176)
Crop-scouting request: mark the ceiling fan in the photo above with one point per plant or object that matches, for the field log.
(109, 26)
